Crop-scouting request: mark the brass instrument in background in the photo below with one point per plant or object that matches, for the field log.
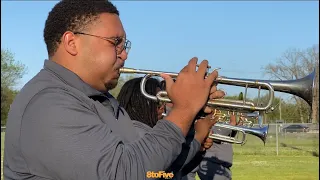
(245, 119)
(246, 126)
(301, 87)
(261, 133)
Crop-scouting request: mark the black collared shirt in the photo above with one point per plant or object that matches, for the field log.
(61, 128)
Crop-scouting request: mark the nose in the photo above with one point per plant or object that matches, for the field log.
(123, 55)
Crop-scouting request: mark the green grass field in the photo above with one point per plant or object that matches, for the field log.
(297, 160)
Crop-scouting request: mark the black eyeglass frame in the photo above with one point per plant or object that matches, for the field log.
(116, 42)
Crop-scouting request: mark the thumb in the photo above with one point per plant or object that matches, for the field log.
(211, 131)
(214, 121)
(207, 110)
(169, 81)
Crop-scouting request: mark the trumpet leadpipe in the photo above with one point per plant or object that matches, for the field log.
(143, 71)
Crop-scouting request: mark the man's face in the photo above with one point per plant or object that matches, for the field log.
(99, 56)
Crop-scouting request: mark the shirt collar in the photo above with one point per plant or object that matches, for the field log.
(75, 81)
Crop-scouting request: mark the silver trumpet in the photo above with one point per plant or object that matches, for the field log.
(258, 132)
(301, 87)
(261, 132)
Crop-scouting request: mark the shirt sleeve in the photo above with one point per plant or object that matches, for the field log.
(62, 138)
(194, 149)
(191, 149)
(194, 158)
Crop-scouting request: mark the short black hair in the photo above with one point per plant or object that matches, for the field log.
(72, 15)
(138, 107)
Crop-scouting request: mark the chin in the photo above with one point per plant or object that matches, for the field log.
(112, 84)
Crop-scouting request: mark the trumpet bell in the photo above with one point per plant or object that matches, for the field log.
(302, 87)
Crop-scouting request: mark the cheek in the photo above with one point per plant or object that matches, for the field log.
(105, 61)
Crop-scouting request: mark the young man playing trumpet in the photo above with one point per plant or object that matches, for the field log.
(64, 123)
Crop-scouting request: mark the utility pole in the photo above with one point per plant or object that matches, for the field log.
(277, 137)
(280, 110)
(315, 100)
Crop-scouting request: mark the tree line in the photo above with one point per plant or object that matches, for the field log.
(287, 108)
(292, 64)
(11, 72)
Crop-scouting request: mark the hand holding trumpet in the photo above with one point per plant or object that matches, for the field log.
(190, 92)
(203, 129)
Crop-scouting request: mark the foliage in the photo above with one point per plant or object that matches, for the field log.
(121, 81)
(7, 97)
(11, 72)
(240, 97)
(289, 111)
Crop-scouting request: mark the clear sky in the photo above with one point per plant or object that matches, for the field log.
(240, 37)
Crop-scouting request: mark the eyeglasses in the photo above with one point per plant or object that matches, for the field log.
(120, 43)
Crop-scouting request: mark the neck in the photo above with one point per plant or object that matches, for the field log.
(72, 65)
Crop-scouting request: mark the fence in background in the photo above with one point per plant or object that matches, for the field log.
(314, 128)
(285, 143)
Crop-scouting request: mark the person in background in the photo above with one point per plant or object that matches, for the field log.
(218, 159)
(139, 107)
(145, 114)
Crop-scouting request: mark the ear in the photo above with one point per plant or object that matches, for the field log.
(69, 43)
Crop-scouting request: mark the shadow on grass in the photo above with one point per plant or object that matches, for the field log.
(313, 153)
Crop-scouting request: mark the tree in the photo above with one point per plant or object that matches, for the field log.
(11, 72)
(7, 97)
(295, 64)
(288, 110)
(240, 97)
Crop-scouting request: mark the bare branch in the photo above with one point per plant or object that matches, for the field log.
(295, 64)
